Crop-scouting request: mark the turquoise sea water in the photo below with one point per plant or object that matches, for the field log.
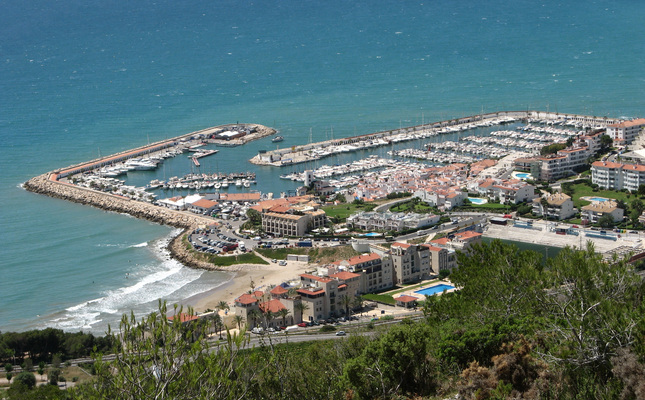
(83, 78)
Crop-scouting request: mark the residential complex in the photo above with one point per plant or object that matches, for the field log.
(593, 212)
(558, 206)
(625, 132)
(617, 176)
(389, 221)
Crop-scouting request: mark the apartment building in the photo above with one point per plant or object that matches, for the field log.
(617, 176)
(558, 206)
(388, 221)
(593, 212)
(411, 262)
(286, 221)
(507, 191)
(625, 132)
(376, 271)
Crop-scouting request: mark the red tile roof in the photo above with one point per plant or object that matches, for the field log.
(183, 317)
(272, 305)
(315, 278)
(345, 275)
(278, 290)
(246, 299)
(401, 245)
(406, 299)
(363, 258)
(443, 240)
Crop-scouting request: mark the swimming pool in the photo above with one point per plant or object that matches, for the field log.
(429, 291)
(476, 200)
(373, 234)
(522, 175)
(598, 199)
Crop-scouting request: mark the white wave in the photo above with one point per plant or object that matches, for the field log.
(144, 244)
(166, 279)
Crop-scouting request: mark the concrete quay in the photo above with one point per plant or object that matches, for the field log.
(310, 152)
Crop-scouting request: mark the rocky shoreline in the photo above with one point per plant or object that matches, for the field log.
(42, 184)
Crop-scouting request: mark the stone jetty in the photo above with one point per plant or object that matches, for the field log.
(57, 184)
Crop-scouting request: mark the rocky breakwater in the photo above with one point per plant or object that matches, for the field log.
(44, 184)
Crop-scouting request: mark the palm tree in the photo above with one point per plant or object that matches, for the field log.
(358, 302)
(301, 308)
(222, 305)
(268, 316)
(284, 313)
(346, 301)
(239, 320)
(217, 322)
(254, 315)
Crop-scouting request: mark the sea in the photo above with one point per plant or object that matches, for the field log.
(80, 79)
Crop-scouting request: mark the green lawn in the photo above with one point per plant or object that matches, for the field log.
(342, 211)
(413, 206)
(247, 258)
(383, 298)
(281, 254)
(583, 190)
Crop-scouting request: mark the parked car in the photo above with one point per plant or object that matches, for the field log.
(340, 333)
(303, 325)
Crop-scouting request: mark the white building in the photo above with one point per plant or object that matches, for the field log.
(625, 132)
(559, 206)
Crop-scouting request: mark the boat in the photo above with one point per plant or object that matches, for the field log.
(277, 139)
(238, 183)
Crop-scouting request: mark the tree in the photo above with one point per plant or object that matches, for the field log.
(606, 221)
(221, 306)
(497, 279)
(255, 315)
(605, 143)
(8, 368)
(254, 217)
(239, 320)
(641, 190)
(53, 375)
(301, 308)
(637, 205)
(283, 313)
(26, 378)
(591, 308)
(41, 369)
(154, 359)
(346, 302)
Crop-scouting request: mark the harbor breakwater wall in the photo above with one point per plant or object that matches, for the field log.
(43, 184)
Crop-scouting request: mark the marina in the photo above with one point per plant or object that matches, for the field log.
(540, 129)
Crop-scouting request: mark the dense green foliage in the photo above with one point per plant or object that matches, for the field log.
(572, 328)
(37, 345)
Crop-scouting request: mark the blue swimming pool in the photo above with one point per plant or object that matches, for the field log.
(522, 175)
(373, 234)
(598, 199)
(429, 291)
(476, 200)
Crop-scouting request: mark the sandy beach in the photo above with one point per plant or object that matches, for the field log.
(262, 276)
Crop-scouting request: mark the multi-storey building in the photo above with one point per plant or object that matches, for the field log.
(411, 262)
(625, 132)
(388, 221)
(593, 212)
(376, 271)
(617, 176)
(292, 223)
(441, 259)
(558, 205)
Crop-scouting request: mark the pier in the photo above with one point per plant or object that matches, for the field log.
(315, 151)
(58, 183)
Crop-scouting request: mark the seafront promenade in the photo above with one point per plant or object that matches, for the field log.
(315, 151)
